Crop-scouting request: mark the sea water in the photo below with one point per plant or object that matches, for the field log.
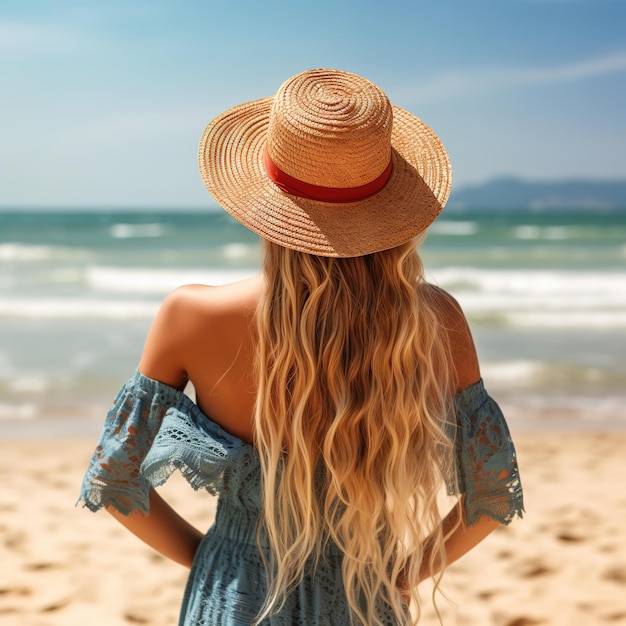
(545, 294)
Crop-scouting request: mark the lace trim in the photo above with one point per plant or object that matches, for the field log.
(207, 457)
(153, 430)
(113, 477)
(488, 472)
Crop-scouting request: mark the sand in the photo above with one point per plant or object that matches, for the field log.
(564, 564)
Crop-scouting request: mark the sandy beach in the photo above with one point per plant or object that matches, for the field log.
(564, 564)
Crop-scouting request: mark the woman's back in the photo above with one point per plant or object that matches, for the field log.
(213, 329)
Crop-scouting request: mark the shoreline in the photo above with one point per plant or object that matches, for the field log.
(563, 564)
(521, 418)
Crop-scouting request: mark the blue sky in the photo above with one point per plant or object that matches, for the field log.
(103, 103)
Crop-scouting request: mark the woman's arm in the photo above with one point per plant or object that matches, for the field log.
(162, 359)
(461, 539)
(163, 529)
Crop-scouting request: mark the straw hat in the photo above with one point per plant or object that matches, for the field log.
(327, 166)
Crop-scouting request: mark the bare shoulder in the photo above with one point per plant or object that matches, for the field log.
(193, 318)
(459, 335)
(192, 311)
(213, 300)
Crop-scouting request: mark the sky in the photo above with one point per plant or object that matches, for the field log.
(102, 103)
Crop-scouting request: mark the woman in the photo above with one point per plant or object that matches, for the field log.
(336, 393)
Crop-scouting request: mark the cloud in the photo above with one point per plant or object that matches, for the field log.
(451, 85)
(576, 71)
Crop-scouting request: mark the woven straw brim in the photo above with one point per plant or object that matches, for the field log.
(230, 158)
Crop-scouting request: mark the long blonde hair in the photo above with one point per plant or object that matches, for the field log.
(355, 379)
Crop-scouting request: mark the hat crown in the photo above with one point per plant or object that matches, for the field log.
(330, 128)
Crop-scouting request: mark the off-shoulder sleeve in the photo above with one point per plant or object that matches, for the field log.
(488, 474)
(113, 477)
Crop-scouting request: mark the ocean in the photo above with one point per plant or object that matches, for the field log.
(545, 294)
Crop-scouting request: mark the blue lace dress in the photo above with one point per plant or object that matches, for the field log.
(153, 430)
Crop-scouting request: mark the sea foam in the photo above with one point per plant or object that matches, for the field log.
(128, 231)
(157, 281)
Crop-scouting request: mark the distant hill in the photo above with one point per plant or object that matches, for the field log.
(513, 193)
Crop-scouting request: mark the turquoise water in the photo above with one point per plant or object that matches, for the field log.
(545, 295)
